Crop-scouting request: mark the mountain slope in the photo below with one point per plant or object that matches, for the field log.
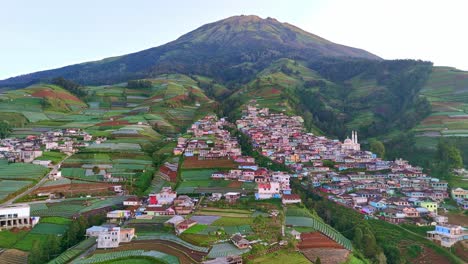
(231, 49)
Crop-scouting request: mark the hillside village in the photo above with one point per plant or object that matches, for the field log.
(28, 149)
(393, 191)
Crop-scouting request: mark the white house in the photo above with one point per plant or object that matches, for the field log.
(110, 237)
(291, 199)
(15, 216)
(268, 190)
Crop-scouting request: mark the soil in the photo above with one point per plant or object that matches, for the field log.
(429, 256)
(461, 250)
(89, 188)
(114, 123)
(194, 163)
(53, 94)
(235, 184)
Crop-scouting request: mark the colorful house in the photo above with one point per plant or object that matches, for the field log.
(430, 206)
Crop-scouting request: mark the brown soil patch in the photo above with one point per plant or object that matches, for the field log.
(461, 250)
(429, 256)
(181, 97)
(235, 184)
(76, 188)
(54, 94)
(326, 255)
(317, 240)
(185, 255)
(13, 256)
(275, 91)
(457, 219)
(194, 163)
(114, 123)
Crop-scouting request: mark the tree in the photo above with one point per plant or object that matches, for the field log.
(358, 237)
(96, 170)
(449, 156)
(318, 261)
(377, 147)
(36, 255)
(135, 84)
(5, 129)
(52, 247)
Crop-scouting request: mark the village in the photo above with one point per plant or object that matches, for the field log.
(394, 191)
(28, 149)
(218, 205)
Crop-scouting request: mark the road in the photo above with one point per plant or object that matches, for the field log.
(42, 181)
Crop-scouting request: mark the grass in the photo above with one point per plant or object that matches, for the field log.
(53, 156)
(8, 239)
(281, 257)
(198, 239)
(27, 242)
(56, 220)
(48, 228)
(232, 221)
(15, 171)
(191, 175)
(195, 229)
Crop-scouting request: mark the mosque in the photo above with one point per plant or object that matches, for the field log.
(351, 144)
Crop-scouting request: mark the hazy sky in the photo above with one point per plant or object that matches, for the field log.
(39, 35)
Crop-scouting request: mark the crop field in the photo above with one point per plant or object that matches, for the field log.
(233, 221)
(53, 156)
(70, 207)
(8, 187)
(191, 175)
(73, 172)
(49, 228)
(73, 252)
(26, 243)
(24, 171)
(224, 250)
(194, 163)
(115, 147)
(35, 116)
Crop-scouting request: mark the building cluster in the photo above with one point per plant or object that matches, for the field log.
(209, 140)
(28, 149)
(393, 190)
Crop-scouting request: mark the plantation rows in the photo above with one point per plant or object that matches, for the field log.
(108, 257)
(321, 227)
(224, 250)
(75, 251)
(174, 239)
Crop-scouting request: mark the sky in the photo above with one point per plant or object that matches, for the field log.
(46, 34)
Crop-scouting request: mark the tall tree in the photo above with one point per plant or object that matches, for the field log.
(377, 147)
(5, 129)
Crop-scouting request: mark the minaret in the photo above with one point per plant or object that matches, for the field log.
(355, 137)
(352, 136)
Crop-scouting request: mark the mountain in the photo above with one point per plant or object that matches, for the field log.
(233, 49)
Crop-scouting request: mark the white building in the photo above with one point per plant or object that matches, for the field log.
(447, 235)
(15, 216)
(268, 190)
(351, 144)
(110, 237)
(166, 196)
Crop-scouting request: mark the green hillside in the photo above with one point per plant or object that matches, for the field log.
(229, 50)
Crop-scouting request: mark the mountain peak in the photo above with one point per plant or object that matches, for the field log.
(221, 49)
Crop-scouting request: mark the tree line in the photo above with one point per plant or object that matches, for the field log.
(52, 246)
